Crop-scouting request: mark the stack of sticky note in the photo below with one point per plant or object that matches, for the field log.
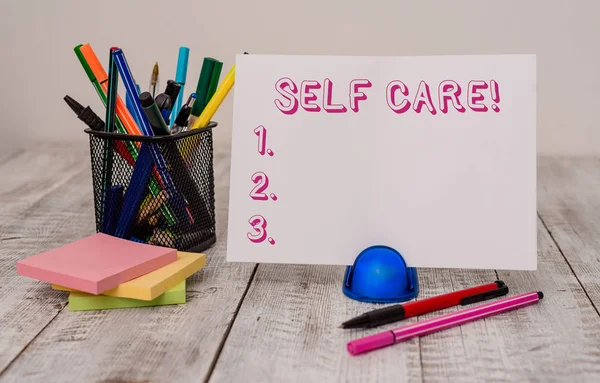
(105, 272)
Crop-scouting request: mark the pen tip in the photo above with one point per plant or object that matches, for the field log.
(341, 326)
(74, 105)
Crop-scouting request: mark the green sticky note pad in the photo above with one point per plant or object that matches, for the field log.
(79, 301)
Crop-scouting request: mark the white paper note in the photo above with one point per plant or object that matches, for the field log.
(432, 156)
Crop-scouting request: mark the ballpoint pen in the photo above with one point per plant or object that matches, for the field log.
(442, 322)
(154, 80)
(180, 124)
(402, 311)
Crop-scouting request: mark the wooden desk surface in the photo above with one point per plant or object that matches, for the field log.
(271, 323)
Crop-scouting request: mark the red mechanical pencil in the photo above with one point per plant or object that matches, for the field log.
(399, 312)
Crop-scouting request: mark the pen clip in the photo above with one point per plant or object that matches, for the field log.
(500, 291)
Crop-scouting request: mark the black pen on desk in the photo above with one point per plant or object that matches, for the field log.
(86, 114)
(184, 113)
(411, 309)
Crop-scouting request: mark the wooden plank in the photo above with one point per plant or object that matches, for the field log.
(29, 175)
(556, 340)
(443, 353)
(569, 205)
(169, 343)
(286, 330)
(7, 156)
(28, 179)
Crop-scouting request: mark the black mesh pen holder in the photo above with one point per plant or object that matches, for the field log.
(157, 190)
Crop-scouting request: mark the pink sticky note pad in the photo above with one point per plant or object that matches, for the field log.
(97, 263)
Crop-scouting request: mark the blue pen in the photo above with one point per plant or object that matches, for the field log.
(135, 192)
(114, 201)
(165, 113)
(180, 77)
(138, 113)
(177, 201)
(129, 103)
(129, 83)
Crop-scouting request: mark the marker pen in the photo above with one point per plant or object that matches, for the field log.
(86, 114)
(180, 78)
(202, 88)
(153, 114)
(442, 322)
(172, 91)
(182, 117)
(163, 101)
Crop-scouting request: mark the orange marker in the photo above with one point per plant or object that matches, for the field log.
(102, 78)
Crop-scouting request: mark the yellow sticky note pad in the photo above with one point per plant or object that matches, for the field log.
(152, 285)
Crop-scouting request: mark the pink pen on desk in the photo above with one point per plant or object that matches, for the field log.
(442, 322)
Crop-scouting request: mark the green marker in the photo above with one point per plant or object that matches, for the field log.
(155, 189)
(214, 80)
(108, 147)
(90, 75)
(202, 88)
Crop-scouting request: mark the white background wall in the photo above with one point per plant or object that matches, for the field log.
(38, 66)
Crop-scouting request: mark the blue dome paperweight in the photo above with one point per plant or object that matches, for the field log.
(380, 275)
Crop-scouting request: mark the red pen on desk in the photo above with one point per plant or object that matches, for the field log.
(399, 312)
